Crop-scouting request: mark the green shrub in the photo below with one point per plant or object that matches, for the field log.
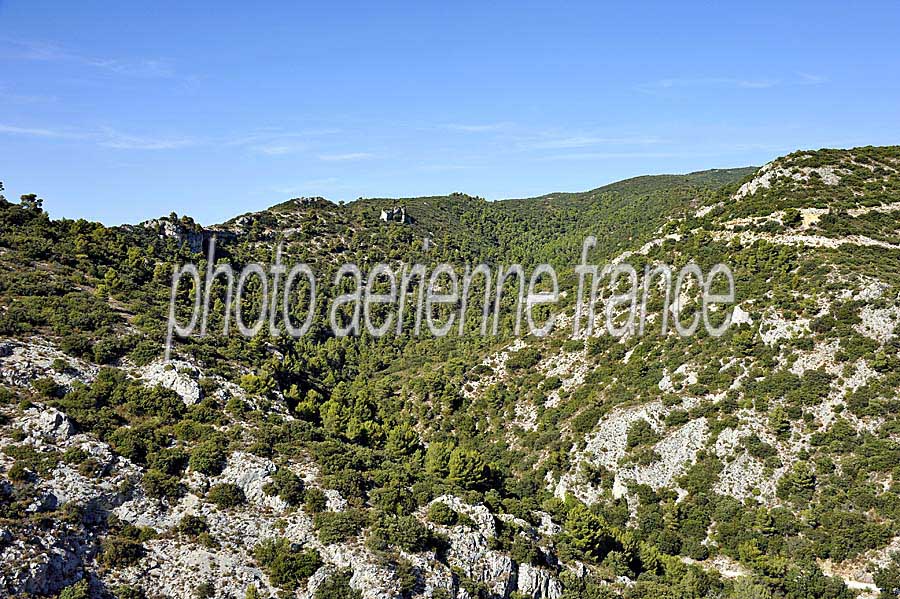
(205, 590)
(437, 458)
(284, 563)
(792, 217)
(208, 457)
(640, 433)
(315, 500)
(407, 577)
(120, 552)
(160, 485)
(587, 535)
(128, 592)
(18, 473)
(467, 469)
(336, 527)
(74, 455)
(524, 358)
(129, 443)
(171, 460)
(677, 418)
(441, 513)
(6, 396)
(79, 590)
(799, 483)
(47, 387)
(288, 486)
(193, 526)
(190, 430)
(145, 352)
(405, 532)
(226, 495)
(337, 586)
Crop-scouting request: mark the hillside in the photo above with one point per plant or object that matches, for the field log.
(756, 464)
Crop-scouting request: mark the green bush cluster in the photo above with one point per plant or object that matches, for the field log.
(286, 565)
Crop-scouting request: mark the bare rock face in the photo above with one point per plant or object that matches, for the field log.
(878, 323)
(434, 574)
(498, 572)
(43, 555)
(470, 553)
(176, 376)
(49, 423)
(316, 580)
(334, 501)
(479, 514)
(548, 526)
(185, 233)
(251, 473)
(372, 579)
(173, 566)
(773, 171)
(48, 429)
(49, 561)
(469, 550)
(538, 583)
(174, 569)
(22, 363)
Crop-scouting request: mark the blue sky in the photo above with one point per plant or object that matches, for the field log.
(122, 111)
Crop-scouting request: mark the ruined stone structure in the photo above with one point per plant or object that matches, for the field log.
(395, 215)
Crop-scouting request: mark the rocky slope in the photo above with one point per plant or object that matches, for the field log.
(646, 466)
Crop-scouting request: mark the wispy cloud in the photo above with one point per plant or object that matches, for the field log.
(529, 138)
(620, 155)
(41, 51)
(17, 98)
(278, 142)
(114, 139)
(810, 79)
(700, 82)
(274, 134)
(106, 137)
(279, 149)
(442, 168)
(346, 157)
(312, 186)
(40, 132)
(146, 68)
(582, 141)
(729, 82)
(477, 128)
(271, 143)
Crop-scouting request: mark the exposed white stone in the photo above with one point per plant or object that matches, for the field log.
(548, 527)
(774, 327)
(47, 422)
(175, 569)
(23, 362)
(739, 316)
(821, 355)
(704, 210)
(740, 477)
(480, 515)
(772, 171)
(251, 473)
(176, 375)
(878, 323)
(334, 501)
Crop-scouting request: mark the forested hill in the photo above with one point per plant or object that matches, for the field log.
(470, 228)
(762, 463)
